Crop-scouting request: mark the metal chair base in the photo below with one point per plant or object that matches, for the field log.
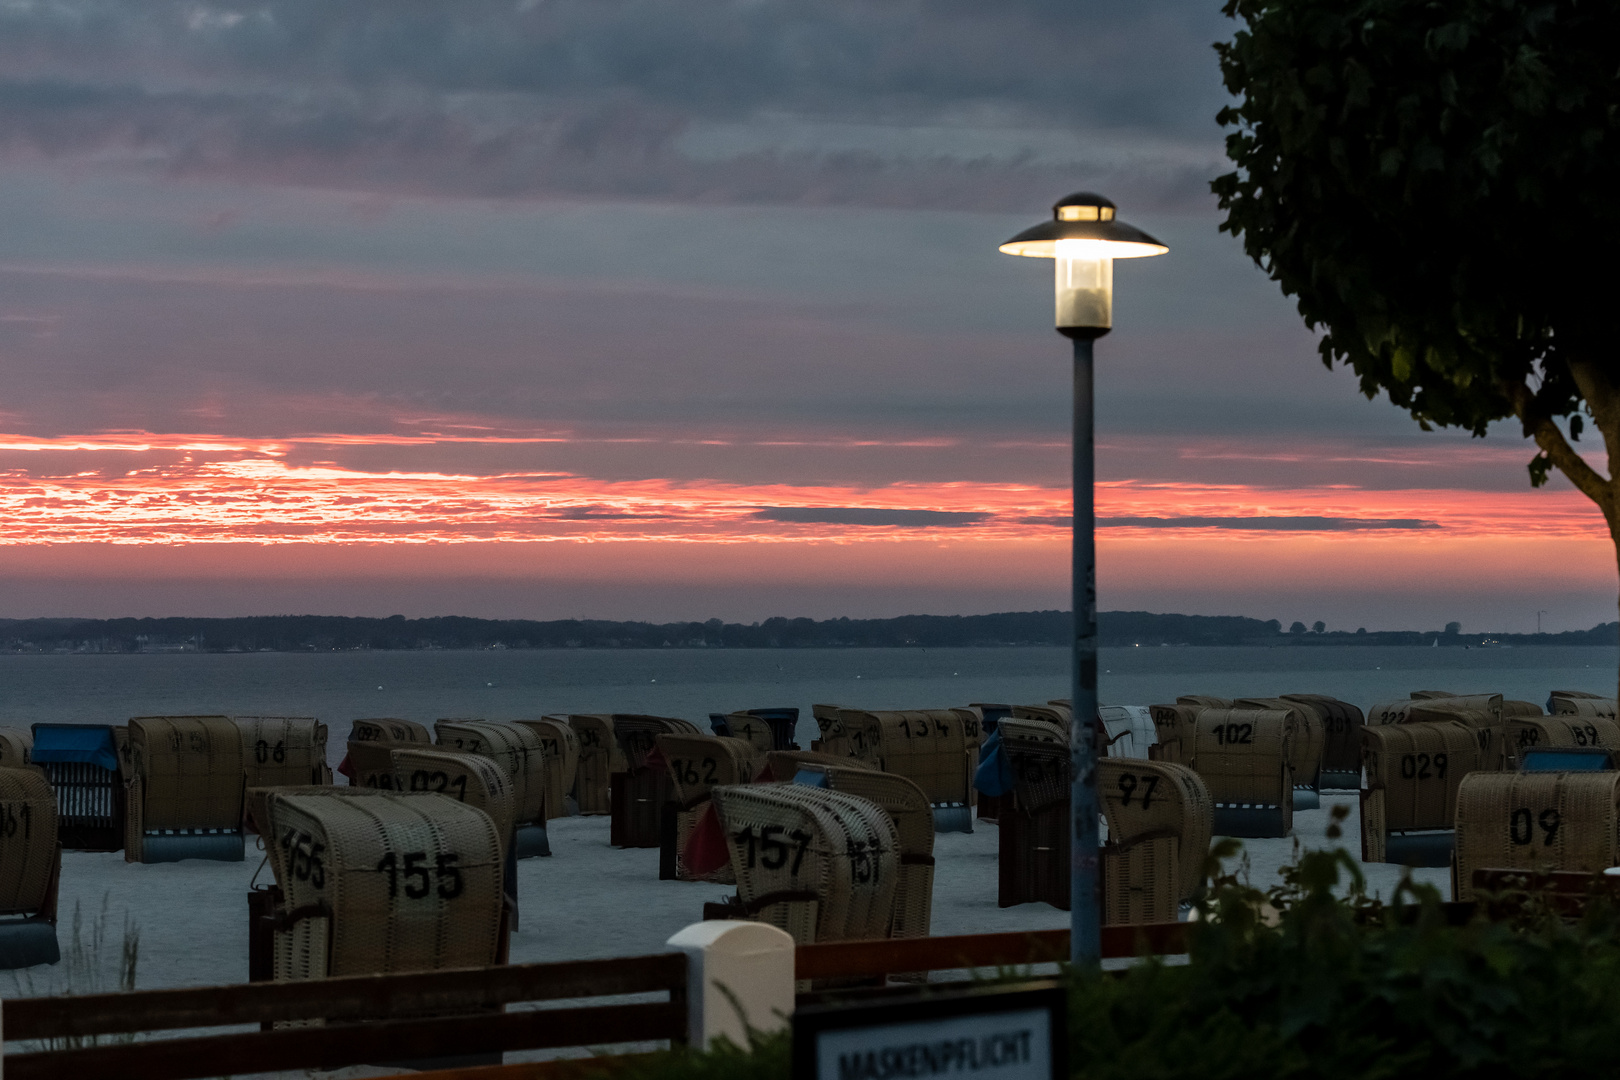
(173, 847)
(1251, 821)
(953, 818)
(531, 841)
(27, 943)
(1429, 847)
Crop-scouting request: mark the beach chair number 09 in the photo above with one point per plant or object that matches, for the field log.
(686, 769)
(1233, 733)
(418, 878)
(1520, 830)
(438, 783)
(1416, 766)
(304, 857)
(771, 852)
(263, 752)
(10, 815)
(1128, 784)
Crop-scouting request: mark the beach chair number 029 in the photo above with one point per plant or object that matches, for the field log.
(771, 852)
(10, 814)
(438, 783)
(304, 857)
(263, 752)
(1128, 784)
(419, 878)
(1416, 767)
(1233, 733)
(1521, 825)
(686, 769)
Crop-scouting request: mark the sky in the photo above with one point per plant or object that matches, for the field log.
(680, 309)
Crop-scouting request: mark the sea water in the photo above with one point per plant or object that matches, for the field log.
(424, 686)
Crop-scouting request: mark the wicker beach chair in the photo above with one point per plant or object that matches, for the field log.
(599, 758)
(30, 868)
(1341, 750)
(282, 751)
(16, 747)
(1563, 704)
(817, 863)
(369, 761)
(1409, 806)
(1033, 827)
(784, 765)
(1523, 732)
(1535, 821)
(907, 807)
(1146, 799)
(561, 744)
(1205, 701)
(1174, 727)
(516, 749)
(1481, 713)
(767, 729)
(930, 747)
(1244, 756)
(1129, 729)
(834, 739)
(383, 882)
(185, 789)
(697, 764)
(1306, 741)
(1051, 713)
(641, 790)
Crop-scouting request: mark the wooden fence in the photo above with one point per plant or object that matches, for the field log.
(399, 1018)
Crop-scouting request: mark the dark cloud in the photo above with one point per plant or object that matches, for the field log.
(596, 97)
(1265, 524)
(869, 515)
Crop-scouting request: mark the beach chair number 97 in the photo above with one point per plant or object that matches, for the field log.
(1521, 825)
(687, 770)
(1128, 783)
(770, 851)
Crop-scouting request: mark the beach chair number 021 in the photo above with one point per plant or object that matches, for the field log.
(686, 769)
(1522, 822)
(419, 878)
(1128, 784)
(11, 814)
(1233, 733)
(1416, 767)
(771, 852)
(263, 752)
(304, 857)
(438, 783)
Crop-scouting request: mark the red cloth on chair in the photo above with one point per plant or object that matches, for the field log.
(706, 850)
(345, 769)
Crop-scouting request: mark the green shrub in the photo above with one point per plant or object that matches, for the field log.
(1315, 979)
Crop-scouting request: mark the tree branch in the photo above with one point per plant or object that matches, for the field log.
(1540, 427)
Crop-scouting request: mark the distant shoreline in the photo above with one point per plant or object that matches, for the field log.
(322, 633)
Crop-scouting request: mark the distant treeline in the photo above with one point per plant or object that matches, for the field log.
(321, 633)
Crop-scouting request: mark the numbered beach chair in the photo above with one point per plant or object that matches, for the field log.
(1523, 733)
(282, 751)
(184, 792)
(1244, 756)
(1033, 843)
(30, 868)
(561, 745)
(516, 749)
(1409, 806)
(1307, 737)
(1204, 701)
(1173, 727)
(1536, 822)
(1146, 802)
(697, 764)
(1341, 750)
(834, 739)
(1051, 713)
(16, 747)
(1576, 703)
(908, 808)
(767, 729)
(928, 747)
(82, 764)
(641, 790)
(599, 759)
(817, 863)
(1482, 714)
(383, 882)
(369, 762)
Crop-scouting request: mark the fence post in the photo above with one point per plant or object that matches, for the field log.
(739, 978)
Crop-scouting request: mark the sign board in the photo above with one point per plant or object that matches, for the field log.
(990, 1033)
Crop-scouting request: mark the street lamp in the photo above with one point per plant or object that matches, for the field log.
(1084, 238)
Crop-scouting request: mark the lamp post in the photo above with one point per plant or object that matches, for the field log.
(1084, 238)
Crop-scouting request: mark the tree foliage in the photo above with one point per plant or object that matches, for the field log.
(1434, 183)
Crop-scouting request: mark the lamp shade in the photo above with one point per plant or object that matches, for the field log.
(1085, 222)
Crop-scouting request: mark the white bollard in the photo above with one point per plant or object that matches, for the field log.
(732, 966)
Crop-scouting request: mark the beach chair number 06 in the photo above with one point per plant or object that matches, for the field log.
(1234, 733)
(10, 815)
(1416, 766)
(1521, 831)
(771, 852)
(304, 857)
(437, 782)
(263, 752)
(1128, 784)
(419, 878)
(686, 769)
